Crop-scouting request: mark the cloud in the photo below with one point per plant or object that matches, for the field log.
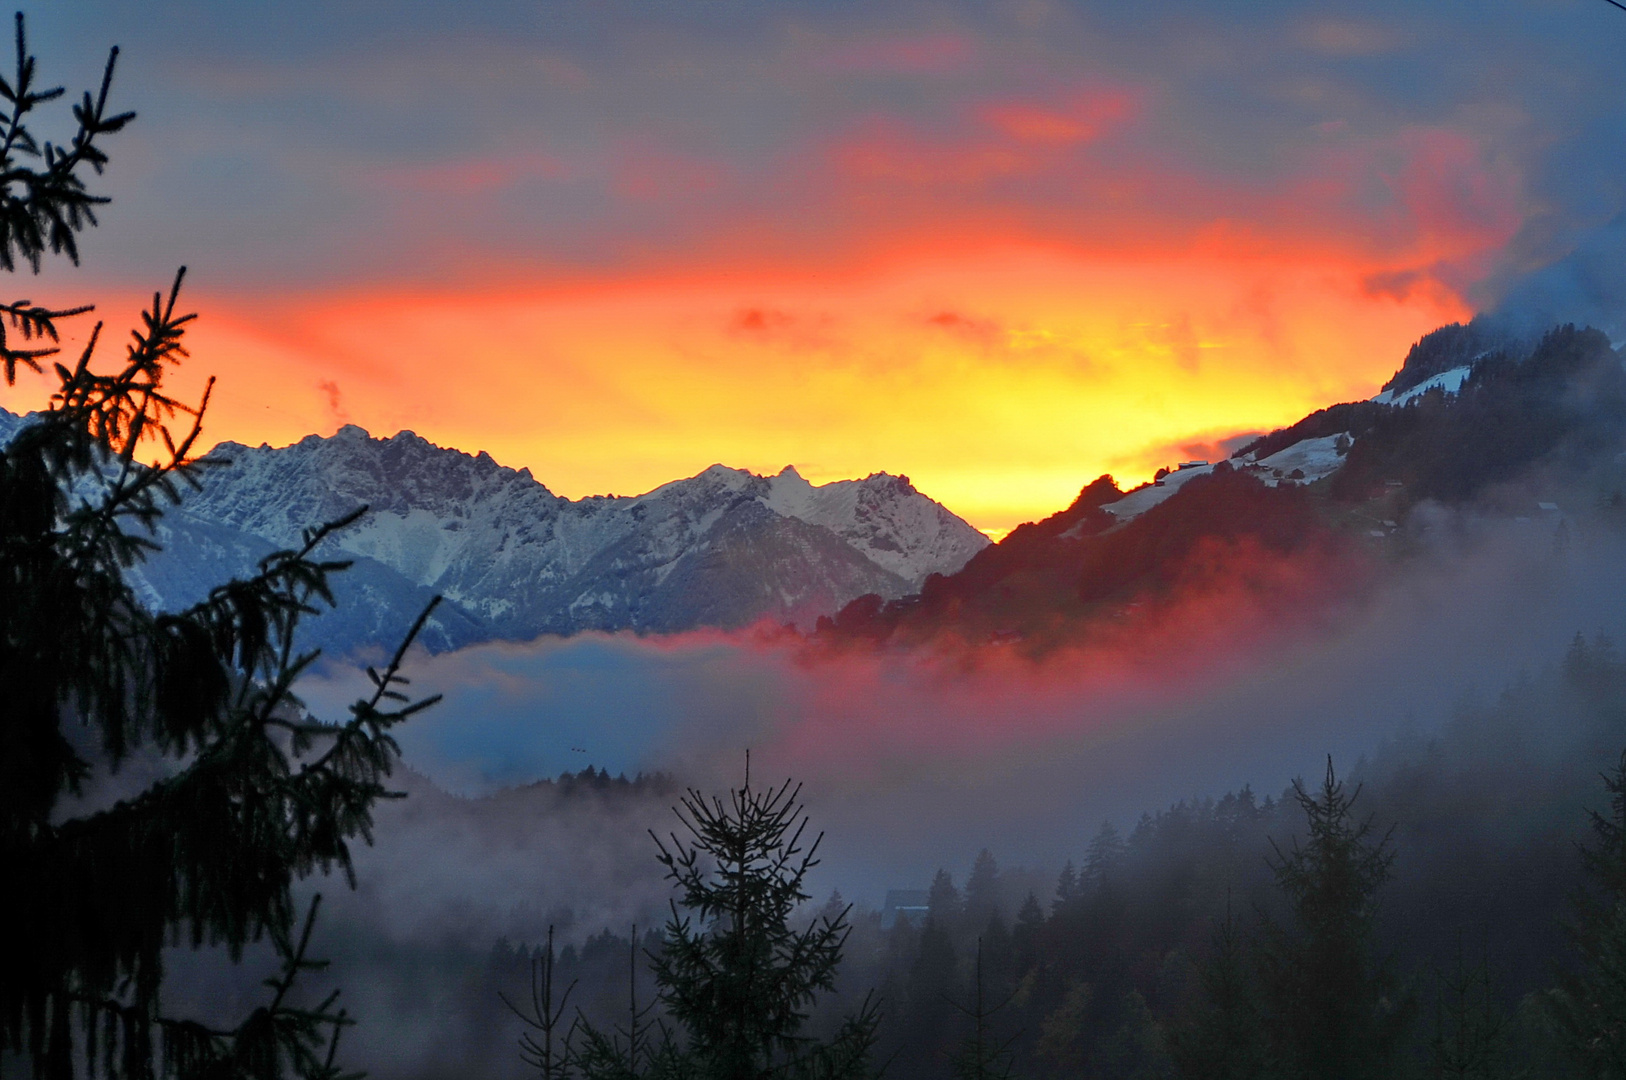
(637, 134)
(986, 333)
(335, 401)
(914, 758)
(1225, 216)
(1587, 286)
(1215, 446)
(1077, 121)
(1340, 37)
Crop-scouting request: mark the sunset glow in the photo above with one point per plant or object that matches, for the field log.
(958, 254)
(1000, 382)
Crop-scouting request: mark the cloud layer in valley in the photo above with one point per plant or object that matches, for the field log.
(914, 760)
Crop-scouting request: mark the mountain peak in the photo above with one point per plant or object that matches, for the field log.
(722, 548)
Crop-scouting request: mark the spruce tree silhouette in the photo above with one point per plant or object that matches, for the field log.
(1333, 1008)
(1224, 1039)
(1591, 1001)
(546, 1046)
(253, 792)
(982, 1054)
(733, 973)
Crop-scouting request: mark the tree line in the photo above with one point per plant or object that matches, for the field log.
(1450, 909)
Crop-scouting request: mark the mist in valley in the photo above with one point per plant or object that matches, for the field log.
(1446, 685)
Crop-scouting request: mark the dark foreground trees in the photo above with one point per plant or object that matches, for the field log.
(736, 971)
(1591, 1004)
(1334, 1006)
(160, 783)
(1312, 999)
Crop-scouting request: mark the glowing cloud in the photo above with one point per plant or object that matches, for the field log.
(852, 243)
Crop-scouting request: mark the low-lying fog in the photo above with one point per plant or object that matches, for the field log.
(911, 762)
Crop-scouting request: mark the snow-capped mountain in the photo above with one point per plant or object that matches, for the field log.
(9, 423)
(724, 548)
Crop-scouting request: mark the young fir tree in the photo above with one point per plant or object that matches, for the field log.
(1224, 1040)
(1025, 935)
(983, 1055)
(943, 903)
(546, 1044)
(1333, 1009)
(623, 1052)
(1471, 1029)
(733, 973)
(934, 983)
(1591, 1003)
(982, 890)
(1067, 888)
(1101, 861)
(252, 794)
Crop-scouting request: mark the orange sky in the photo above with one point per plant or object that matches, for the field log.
(954, 250)
(999, 381)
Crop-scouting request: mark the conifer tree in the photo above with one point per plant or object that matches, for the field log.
(733, 974)
(253, 792)
(943, 903)
(933, 987)
(982, 1054)
(1067, 887)
(1470, 1039)
(1225, 1039)
(1334, 1010)
(1025, 934)
(982, 889)
(546, 1045)
(1101, 861)
(1591, 1004)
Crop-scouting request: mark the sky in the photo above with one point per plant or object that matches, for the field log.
(999, 246)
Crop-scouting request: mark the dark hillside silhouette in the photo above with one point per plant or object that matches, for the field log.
(1045, 583)
(1563, 406)
(1555, 413)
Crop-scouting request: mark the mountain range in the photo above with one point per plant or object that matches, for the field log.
(725, 548)
(1473, 418)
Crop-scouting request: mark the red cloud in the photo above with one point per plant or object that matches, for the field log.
(1085, 119)
(1027, 138)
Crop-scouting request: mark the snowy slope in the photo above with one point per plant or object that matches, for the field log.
(9, 423)
(1315, 458)
(1143, 498)
(513, 560)
(884, 517)
(1449, 381)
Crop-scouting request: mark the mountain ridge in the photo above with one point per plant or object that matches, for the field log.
(1304, 513)
(724, 548)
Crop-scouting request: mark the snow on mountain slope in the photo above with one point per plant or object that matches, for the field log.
(1449, 381)
(884, 517)
(1143, 498)
(9, 423)
(723, 548)
(1314, 458)
(374, 605)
